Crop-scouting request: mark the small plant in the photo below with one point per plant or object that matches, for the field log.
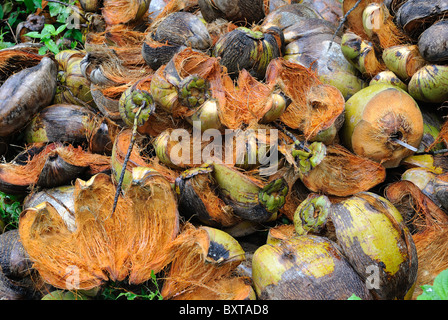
(10, 209)
(46, 37)
(437, 291)
(15, 12)
(114, 293)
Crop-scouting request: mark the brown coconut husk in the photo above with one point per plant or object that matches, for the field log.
(126, 244)
(139, 156)
(74, 161)
(354, 19)
(314, 107)
(220, 214)
(123, 12)
(12, 61)
(226, 288)
(342, 173)
(430, 230)
(190, 271)
(125, 43)
(246, 101)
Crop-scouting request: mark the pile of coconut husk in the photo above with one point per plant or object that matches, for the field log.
(182, 138)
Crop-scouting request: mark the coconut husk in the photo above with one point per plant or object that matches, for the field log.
(106, 245)
(430, 230)
(354, 19)
(342, 173)
(191, 270)
(246, 101)
(139, 157)
(53, 165)
(13, 60)
(314, 106)
(124, 11)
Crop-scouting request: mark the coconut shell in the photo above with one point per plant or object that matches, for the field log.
(25, 93)
(305, 268)
(433, 42)
(315, 107)
(377, 115)
(371, 219)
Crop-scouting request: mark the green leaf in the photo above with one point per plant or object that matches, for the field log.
(60, 29)
(29, 5)
(43, 50)
(354, 297)
(441, 285)
(34, 34)
(48, 28)
(1, 12)
(52, 46)
(428, 293)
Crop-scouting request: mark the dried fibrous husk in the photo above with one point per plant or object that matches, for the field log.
(354, 19)
(165, 81)
(124, 11)
(342, 173)
(138, 158)
(106, 245)
(233, 288)
(314, 106)
(202, 257)
(13, 60)
(61, 122)
(380, 28)
(198, 199)
(53, 165)
(125, 42)
(18, 280)
(429, 225)
(280, 233)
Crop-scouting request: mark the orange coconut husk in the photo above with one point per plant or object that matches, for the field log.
(342, 173)
(54, 164)
(139, 157)
(314, 106)
(431, 230)
(191, 269)
(125, 42)
(354, 19)
(13, 60)
(442, 137)
(129, 243)
(124, 11)
(383, 31)
(246, 101)
(226, 288)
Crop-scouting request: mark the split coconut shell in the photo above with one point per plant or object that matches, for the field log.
(382, 123)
